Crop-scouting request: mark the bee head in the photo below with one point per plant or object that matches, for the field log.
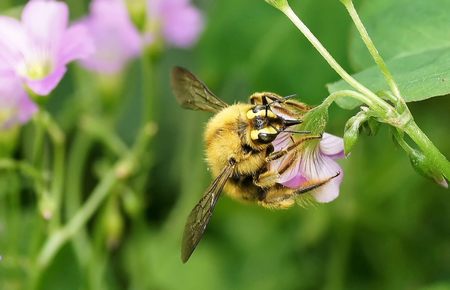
(265, 124)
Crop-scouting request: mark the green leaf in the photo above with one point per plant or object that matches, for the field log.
(401, 27)
(414, 36)
(420, 76)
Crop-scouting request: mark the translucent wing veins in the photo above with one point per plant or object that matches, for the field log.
(192, 93)
(201, 214)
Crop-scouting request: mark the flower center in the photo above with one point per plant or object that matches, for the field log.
(39, 70)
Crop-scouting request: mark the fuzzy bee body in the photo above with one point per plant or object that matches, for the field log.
(226, 137)
(240, 151)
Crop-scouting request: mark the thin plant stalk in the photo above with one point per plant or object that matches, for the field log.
(385, 112)
(371, 48)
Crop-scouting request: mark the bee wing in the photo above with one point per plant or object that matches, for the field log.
(201, 214)
(192, 93)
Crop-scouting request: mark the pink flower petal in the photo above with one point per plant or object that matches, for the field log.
(332, 146)
(324, 167)
(13, 43)
(15, 105)
(77, 44)
(45, 21)
(181, 23)
(295, 182)
(116, 38)
(45, 86)
(182, 26)
(282, 141)
(312, 164)
(27, 109)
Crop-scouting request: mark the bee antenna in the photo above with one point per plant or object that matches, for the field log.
(290, 97)
(281, 100)
(297, 132)
(290, 131)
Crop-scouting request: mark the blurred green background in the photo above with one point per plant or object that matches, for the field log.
(389, 229)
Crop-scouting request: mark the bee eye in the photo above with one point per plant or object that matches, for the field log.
(266, 137)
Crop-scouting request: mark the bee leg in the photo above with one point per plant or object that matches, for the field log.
(266, 179)
(278, 154)
(284, 197)
(313, 184)
(278, 197)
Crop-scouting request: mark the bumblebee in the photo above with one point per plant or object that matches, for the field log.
(240, 152)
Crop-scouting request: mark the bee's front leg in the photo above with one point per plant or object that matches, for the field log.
(278, 197)
(284, 197)
(266, 179)
(278, 154)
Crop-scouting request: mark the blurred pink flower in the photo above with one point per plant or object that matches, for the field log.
(39, 47)
(179, 21)
(15, 105)
(115, 37)
(314, 162)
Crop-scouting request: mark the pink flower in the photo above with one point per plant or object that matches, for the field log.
(15, 105)
(315, 161)
(179, 22)
(115, 37)
(38, 48)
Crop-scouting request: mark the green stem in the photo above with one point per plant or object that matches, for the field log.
(428, 149)
(346, 93)
(287, 10)
(77, 159)
(58, 139)
(39, 133)
(401, 119)
(371, 47)
(26, 168)
(121, 170)
(99, 129)
(147, 88)
(58, 238)
(376, 103)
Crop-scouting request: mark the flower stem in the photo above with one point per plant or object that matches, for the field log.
(376, 103)
(58, 238)
(346, 93)
(428, 149)
(399, 117)
(99, 129)
(76, 163)
(27, 169)
(371, 47)
(123, 168)
(58, 139)
(147, 88)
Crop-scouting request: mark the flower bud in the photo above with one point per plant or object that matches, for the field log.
(370, 127)
(137, 11)
(46, 206)
(131, 203)
(352, 128)
(426, 168)
(113, 222)
(279, 4)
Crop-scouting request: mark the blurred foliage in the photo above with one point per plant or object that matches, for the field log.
(389, 228)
